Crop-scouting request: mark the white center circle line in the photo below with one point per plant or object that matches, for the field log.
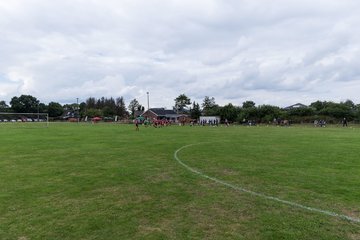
(261, 195)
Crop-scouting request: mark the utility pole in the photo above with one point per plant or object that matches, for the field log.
(77, 109)
(38, 108)
(148, 100)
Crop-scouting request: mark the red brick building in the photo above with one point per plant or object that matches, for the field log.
(162, 113)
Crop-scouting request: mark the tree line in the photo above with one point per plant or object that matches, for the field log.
(328, 111)
(109, 107)
(103, 107)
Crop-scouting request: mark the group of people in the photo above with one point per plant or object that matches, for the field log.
(210, 122)
(320, 123)
(155, 123)
(281, 122)
(160, 123)
(215, 122)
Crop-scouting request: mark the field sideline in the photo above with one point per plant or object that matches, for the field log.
(107, 181)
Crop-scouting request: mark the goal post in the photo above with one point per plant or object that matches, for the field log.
(24, 119)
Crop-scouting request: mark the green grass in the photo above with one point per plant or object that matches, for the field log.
(105, 181)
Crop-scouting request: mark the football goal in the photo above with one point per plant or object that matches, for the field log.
(24, 119)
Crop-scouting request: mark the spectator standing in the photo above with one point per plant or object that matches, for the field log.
(344, 122)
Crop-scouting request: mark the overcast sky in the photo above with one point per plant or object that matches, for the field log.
(277, 52)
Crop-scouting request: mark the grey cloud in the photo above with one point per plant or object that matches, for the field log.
(233, 50)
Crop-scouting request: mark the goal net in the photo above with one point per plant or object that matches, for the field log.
(24, 119)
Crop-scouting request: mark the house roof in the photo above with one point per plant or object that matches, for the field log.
(162, 111)
(138, 113)
(297, 105)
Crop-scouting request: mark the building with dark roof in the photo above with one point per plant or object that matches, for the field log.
(162, 113)
(297, 105)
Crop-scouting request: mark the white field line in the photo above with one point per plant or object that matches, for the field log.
(238, 188)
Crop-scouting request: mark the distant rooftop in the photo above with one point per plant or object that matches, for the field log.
(297, 105)
(162, 111)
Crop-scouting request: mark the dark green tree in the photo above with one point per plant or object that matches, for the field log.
(133, 106)
(209, 106)
(108, 111)
(108, 106)
(100, 103)
(24, 104)
(248, 104)
(357, 112)
(90, 103)
(42, 108)
(337, 111)
(318, 105)
(229, 112)
(120, 107)
(181, 102)
(92, 112)
(82, 109)
(350, 104)
(55, 109)
(248, 113)
(4, 107)
(267, 113)
(301, 111)
(195, 111)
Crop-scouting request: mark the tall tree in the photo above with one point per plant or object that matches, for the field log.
(100, 103)
(318, 105)
(133, 106)
(120, 107)
(267, 113)
(337, 110)
(229, 112)
(195, 111)
(209, 106)
(181, 102)
(91, 102)
(357, 112)
(248, 104)
(246, 114)
(82, 107)
(3, 106)
(108, 111)
(92, 112)
(42, 108)
(55, 109)
(349, 105)
(24, 103)
(208, 102)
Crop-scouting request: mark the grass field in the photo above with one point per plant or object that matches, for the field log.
(106, 181)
